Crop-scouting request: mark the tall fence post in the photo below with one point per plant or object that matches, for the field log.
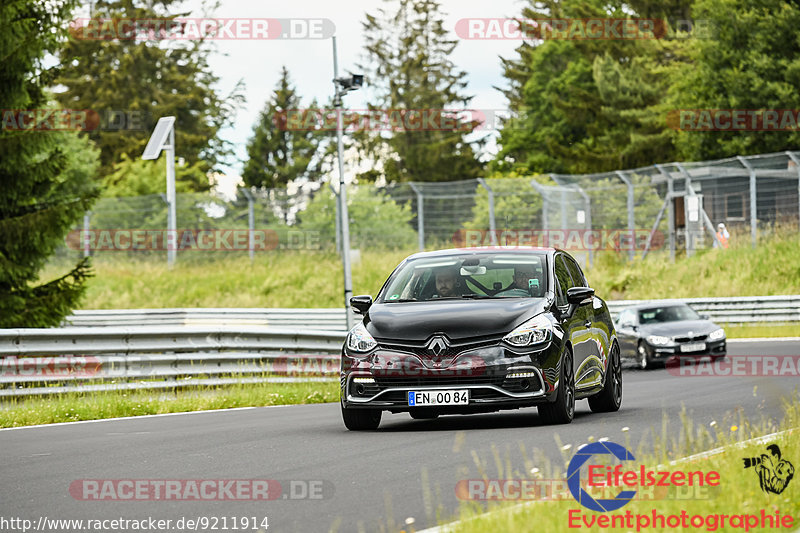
(251, 223)
(338, 220)
(670, 211)
(420, 216)
(492, 227)
(631, 220)
(753, 205)
(564, 222)
(545, 204)
(796, 162)
(87, 217)
(587, 203)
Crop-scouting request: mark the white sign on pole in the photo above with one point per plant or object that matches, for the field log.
(163, 138)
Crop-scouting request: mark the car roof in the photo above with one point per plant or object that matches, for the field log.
(483, 250)
(654, 303)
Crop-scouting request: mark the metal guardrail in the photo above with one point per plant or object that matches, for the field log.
(736, 310)
(323, 319)
(45, 361)
(176, 348)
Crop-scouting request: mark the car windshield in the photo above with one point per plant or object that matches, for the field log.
(667, 313)
(471, 276)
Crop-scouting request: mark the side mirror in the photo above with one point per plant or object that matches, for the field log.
(577, 295)
(361, 303)
(705, 316)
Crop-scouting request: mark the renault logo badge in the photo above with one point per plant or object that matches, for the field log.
(437, 345)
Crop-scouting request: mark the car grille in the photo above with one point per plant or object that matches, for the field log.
(434, 381)
(455, 347)
(691, 339)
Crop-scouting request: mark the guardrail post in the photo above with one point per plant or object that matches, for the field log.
(753, 208)
(631, 221)
(492, 227)
(420, 216)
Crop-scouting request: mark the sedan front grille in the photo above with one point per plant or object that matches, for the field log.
(691, 339)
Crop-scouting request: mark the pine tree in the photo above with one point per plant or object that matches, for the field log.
(409, 69)
(591, 105)
(44, 173)
(751, 62)
(147, 78)
(281, 151)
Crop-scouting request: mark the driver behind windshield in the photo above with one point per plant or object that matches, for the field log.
(448, 283)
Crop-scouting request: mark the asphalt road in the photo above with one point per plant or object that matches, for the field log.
(367, 481)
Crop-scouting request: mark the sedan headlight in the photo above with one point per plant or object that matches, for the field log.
(535, 331)
(359, 340)
(658, 340)
(716, 335)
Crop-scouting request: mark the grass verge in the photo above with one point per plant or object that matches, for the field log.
(739, 492)
(314, 279)
(761, 331)
(72, 407)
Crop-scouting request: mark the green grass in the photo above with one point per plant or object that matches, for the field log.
(771, 268)
(314, 279)
(72, 407)
(738, 492)
(761, 331)
(277, 279)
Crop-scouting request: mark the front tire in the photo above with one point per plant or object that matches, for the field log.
(610, 398)
(563, 409)
(361, 419)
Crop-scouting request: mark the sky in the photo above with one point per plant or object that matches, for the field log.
(310, 63)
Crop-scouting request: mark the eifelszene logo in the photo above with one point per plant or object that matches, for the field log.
(774, 473)
(639, 477)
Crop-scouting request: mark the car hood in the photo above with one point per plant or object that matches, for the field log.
(457, 319)
(679, 328)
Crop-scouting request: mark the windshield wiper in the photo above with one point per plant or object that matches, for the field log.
(477, 296)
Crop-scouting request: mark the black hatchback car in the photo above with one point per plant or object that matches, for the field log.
(479, 330)
(659, 332)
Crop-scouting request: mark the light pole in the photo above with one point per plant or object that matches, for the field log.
(341, 87)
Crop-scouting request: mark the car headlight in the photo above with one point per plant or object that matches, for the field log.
(534, 331)
(658, 340)
(359, 340)
(716, 335)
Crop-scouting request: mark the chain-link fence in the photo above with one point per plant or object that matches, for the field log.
(673, 208)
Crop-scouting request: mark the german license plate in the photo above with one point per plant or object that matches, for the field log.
(438, 397)
(693, 347)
